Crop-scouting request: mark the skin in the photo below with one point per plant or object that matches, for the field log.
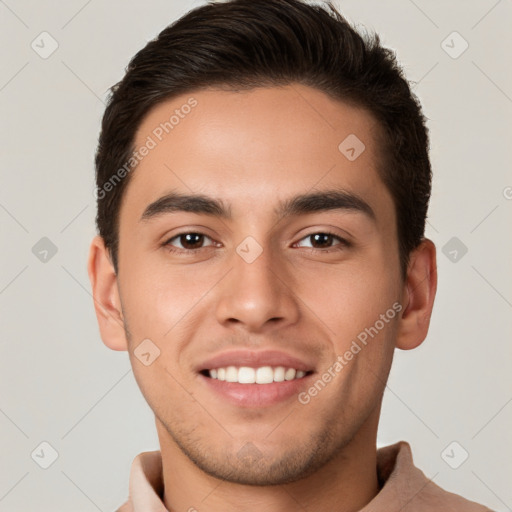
(253, 150)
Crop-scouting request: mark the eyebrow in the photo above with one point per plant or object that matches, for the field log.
(298, 205)
(194, 203)
(325, 201)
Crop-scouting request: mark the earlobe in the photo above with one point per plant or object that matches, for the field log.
(419, 292)
(106, 297)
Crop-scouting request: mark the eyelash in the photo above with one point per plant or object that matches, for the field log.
(343, 244)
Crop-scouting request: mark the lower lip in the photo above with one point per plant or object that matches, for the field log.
(256, 395)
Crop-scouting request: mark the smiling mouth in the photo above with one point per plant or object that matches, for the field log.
(259, 375)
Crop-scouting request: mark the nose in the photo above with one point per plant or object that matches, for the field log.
(257, 295)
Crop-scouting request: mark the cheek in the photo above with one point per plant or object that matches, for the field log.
(349, 299)
(355, 302)
(157, 297)
(166, 391)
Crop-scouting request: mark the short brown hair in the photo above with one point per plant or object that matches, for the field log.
(243, 44)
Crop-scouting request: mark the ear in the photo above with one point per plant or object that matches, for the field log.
(107, 302)
(419, 292)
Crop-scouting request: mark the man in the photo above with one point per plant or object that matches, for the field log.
(263, 182)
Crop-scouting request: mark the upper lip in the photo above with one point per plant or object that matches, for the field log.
(254, 359)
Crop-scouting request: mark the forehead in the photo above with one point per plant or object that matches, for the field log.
(252, 147)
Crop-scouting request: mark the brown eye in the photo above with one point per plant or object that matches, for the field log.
(322, 241)
(190, 241)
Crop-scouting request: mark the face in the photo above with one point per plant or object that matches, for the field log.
(253, 247)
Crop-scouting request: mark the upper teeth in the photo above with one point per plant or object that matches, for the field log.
(262, 375)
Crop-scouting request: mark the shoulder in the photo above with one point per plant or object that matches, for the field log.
(126, 507)
(436, 498)
(405, 484)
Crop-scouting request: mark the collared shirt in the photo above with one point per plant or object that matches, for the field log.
(403, 487)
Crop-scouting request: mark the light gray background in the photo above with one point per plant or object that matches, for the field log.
(61, 385)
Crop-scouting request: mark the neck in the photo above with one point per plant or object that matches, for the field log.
(346, 483)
